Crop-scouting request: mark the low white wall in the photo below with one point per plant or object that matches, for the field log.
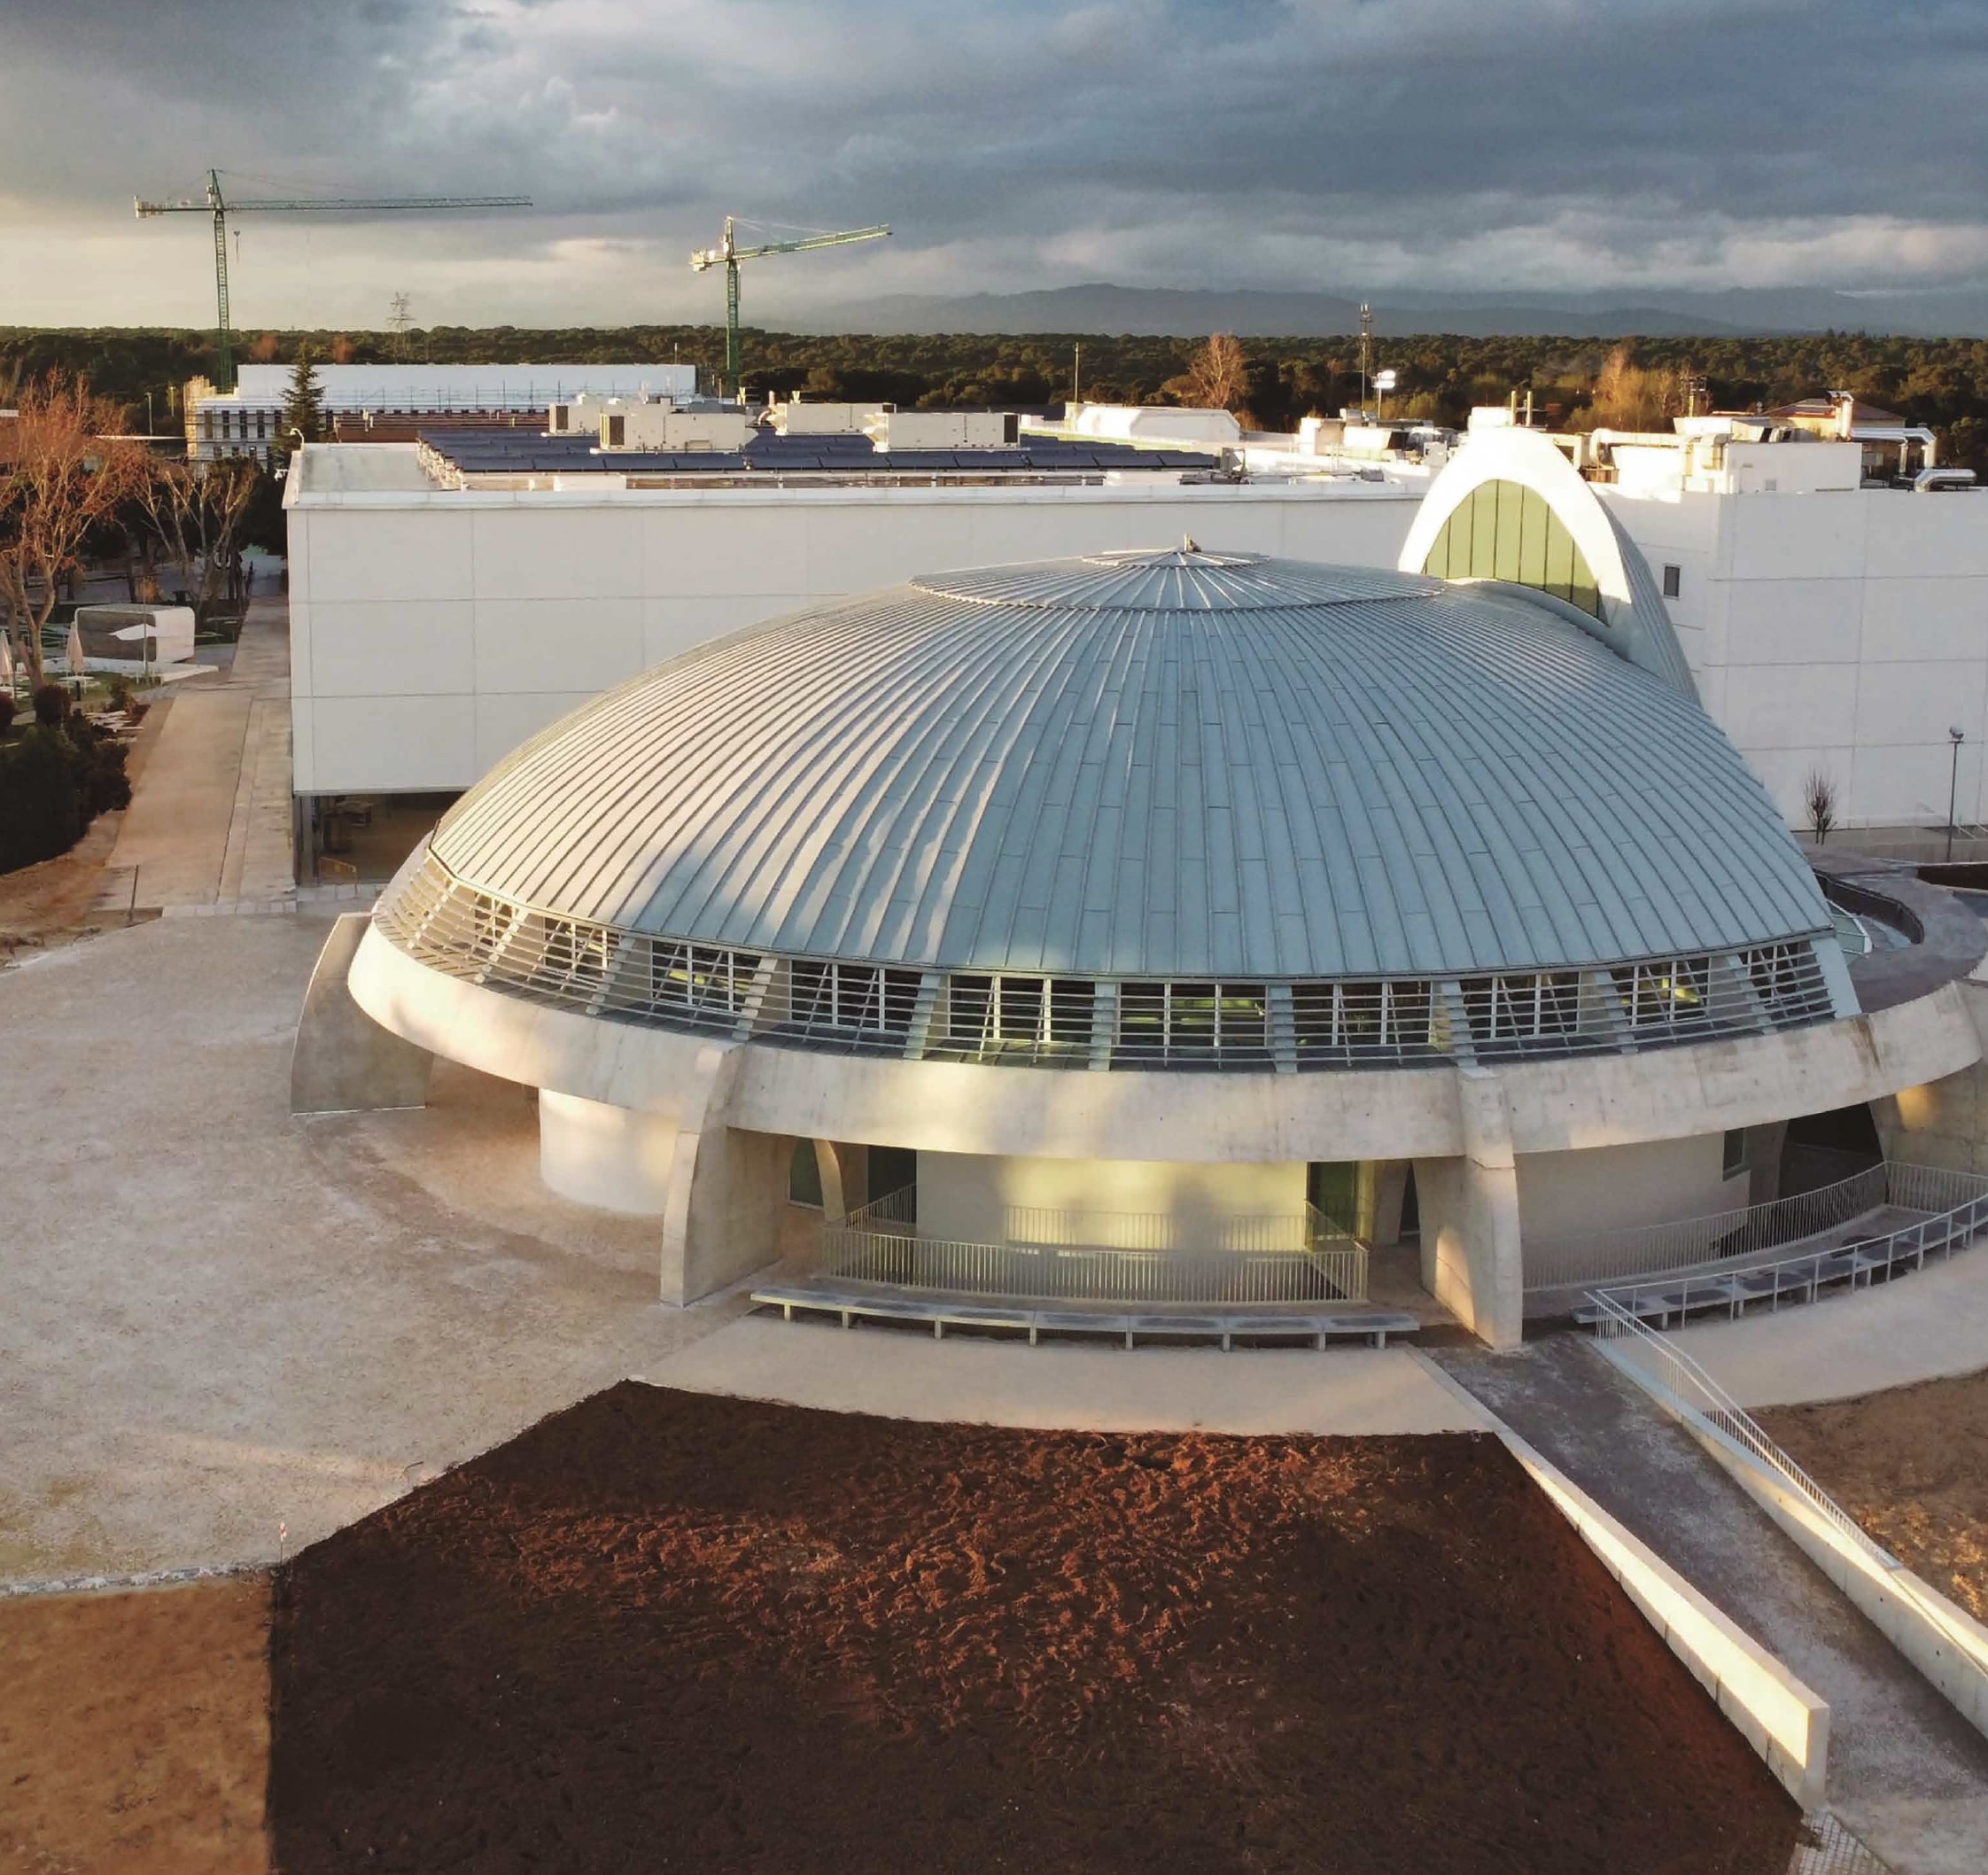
(1786, 1723)
(1619, 1187)
(969, 1198)
(1943, 1642)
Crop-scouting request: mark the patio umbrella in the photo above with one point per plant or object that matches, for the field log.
(75, 655)
(7, 661)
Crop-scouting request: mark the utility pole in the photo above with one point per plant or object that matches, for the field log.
(1956, 736)
(400, 318)
(1366, 352)
(1076, 374)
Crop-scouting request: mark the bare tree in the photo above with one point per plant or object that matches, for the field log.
(194, 511)
(1218, 377)
(1818, 802)
(62, 481)
(1631, 396)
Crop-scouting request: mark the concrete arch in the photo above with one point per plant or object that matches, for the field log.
(1635, 623)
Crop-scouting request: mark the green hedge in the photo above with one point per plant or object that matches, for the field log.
(53, 783)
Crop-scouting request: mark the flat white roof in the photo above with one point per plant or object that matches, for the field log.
(390, 475)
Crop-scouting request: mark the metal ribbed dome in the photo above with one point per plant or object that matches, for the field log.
(1165, 764)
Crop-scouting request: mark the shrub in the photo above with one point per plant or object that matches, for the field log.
(101, 770)
(6, 712)
(53, 783)
(51, 705)
(43, 796)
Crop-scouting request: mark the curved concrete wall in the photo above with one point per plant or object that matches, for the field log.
(1556, 1105)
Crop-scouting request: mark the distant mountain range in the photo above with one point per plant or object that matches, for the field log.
(1171, 312)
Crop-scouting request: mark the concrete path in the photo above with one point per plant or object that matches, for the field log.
(209, 817)
(1923, 1326)
(1907, 1773)
(219, 1317)
(907, 1375)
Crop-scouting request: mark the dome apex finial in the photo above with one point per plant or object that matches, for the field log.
(1189, 544)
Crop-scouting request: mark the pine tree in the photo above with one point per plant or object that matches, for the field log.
(303, 405)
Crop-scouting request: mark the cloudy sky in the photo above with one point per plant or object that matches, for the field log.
(1341, 145)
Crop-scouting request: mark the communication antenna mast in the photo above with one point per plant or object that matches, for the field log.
(1366, 351)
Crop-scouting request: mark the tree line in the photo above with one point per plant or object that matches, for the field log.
(1941, 383)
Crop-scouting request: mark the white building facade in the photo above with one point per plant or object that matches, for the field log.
(1831, 628)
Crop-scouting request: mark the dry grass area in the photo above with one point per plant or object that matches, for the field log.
(55, 903)
(52, 903)
(135, 1731)
(1911, 1464)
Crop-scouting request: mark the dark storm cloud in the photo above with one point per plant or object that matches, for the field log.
(1219, 142)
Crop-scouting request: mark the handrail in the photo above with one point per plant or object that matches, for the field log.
(1095, 1273)
(1946, 1231)
(1654, 1252)
(1034, 1226)
(1650, 1250)
(1684, 1387)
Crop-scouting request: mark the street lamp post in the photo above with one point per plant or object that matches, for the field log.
(1956, 736)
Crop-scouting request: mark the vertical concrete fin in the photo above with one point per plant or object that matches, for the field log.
(1473, 1254)
(344, 1062)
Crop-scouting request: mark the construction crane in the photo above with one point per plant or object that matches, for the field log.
(215, 204)
(728, 254)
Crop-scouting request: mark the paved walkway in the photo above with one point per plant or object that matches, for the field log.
(209, 817)
(1920, 1328)
(907, 1375)
(1907, 1773)
(219, 1317)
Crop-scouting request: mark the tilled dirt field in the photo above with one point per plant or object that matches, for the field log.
(1911, 1466)
(666, 1630)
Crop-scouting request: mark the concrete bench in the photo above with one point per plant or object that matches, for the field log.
(1318, 1326)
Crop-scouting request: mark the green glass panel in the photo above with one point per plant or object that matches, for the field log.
(1536, 522)
(804, 1177)
(1452, 543)
(1558, 576)
(1484, 533)
(1512, 512)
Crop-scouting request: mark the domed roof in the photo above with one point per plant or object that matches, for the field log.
(1171, 764)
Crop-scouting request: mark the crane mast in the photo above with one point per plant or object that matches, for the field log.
(728, 254)
(214, 202)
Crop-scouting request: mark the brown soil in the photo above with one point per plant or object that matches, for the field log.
(664, 1630)
(1911, 1466)
(133, 1731)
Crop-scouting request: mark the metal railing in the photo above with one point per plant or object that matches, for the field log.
(1678, 1384)
(1096, 1274)
(1080, 1024)
(1569, 1262)
(1802, 1277)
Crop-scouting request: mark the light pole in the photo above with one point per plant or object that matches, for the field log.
(1956, 736)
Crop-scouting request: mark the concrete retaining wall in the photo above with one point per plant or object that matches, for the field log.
(1943, 1642)
(1781, 1718)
